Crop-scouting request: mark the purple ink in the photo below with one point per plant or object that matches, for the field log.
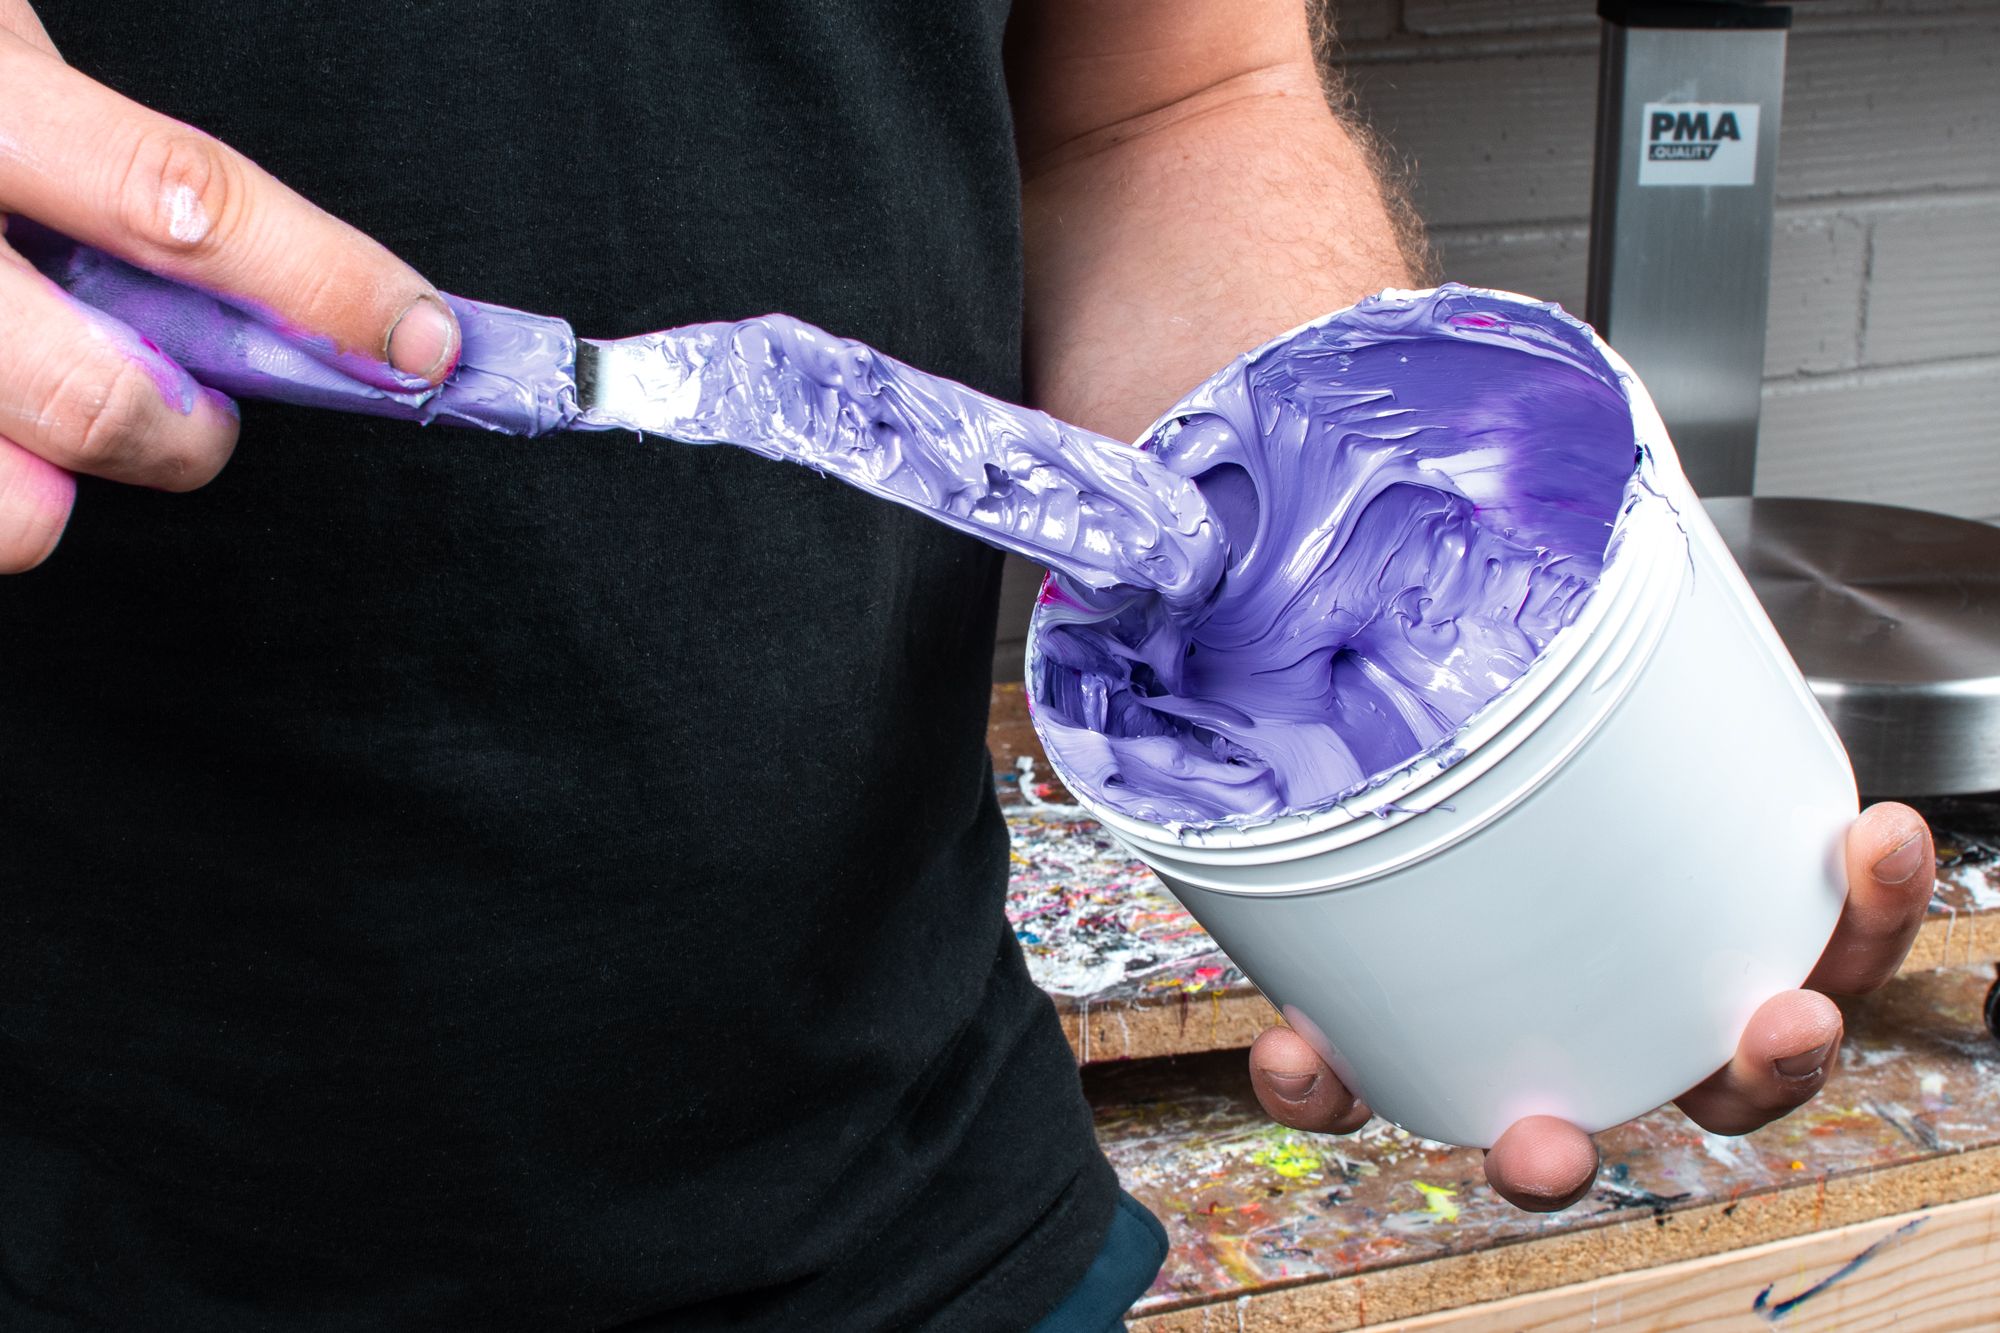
(1313, 572)
(514, 375)
(1104, 514)
(178, 390)
(1418, 493)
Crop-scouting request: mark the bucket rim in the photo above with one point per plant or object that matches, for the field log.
(1656, 489)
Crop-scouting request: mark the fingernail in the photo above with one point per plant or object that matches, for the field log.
(1292, 1087)
(1803, 1065)
(423, 339)
(1902, 863)
(223, 403)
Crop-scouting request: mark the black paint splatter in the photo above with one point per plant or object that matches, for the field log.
(1615, 1187)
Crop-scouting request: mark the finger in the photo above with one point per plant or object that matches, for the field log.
(1890, 865)
(82, 391)
(1295, 1087)
(35, 500)
(1542, 1164)
(102, 169)
(1780, 1063)
(18, 18)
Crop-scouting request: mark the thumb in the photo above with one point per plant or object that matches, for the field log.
(104, 170)
(1296, 1088)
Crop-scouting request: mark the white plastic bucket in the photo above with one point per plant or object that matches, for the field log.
(1577, 909)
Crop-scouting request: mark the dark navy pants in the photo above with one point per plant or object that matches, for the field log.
(1125, 1266)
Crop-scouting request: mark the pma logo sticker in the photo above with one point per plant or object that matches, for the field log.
(1698, 143)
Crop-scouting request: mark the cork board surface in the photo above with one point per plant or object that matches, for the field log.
(1281, 1230)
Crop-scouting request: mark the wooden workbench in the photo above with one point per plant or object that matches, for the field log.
(1874, 1204)
(1273, 1229)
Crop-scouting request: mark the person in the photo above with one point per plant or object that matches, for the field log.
(457, 882)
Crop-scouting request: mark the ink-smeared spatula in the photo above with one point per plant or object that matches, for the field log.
(1106, 515)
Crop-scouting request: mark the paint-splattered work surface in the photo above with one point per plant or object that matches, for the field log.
(1964, 925)
(1328, 1232)
(1135, 976)
(1132, 974)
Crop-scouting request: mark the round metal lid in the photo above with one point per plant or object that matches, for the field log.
(1894, 617)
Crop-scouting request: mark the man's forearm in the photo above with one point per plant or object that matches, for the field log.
(1188, 193)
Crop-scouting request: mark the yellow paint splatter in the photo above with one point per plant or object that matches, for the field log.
(1438, 1201)
(1798, 1166)
(1289, 1159)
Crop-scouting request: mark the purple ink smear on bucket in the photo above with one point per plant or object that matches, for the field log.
(1418, 497)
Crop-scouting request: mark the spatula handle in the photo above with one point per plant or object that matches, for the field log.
(516, 373)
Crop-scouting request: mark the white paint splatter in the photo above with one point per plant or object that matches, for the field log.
(1731, 1154)
(1025, 766)
(187, 220)
(1090, 919)
(1874, 1057)
(1983, 892)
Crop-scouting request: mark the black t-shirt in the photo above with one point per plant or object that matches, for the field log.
(458, 882)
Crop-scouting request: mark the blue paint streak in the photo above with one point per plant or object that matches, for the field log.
(1773, 1313)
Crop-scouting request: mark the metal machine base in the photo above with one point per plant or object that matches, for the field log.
(1894, 617)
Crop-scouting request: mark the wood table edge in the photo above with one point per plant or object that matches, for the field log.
(1229, 1018)
(1179, 1023)
(1846, 1273)
(1560, 1259)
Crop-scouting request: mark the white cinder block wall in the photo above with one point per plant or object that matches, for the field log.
(1882, 364)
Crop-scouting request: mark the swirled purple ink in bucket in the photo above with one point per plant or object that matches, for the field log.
(1419, 495)
(1480, 678)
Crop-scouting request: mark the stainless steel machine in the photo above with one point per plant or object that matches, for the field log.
(1893, 614)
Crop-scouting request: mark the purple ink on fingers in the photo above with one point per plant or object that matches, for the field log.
(516, 370)
(1418, 495)
(178, 389)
